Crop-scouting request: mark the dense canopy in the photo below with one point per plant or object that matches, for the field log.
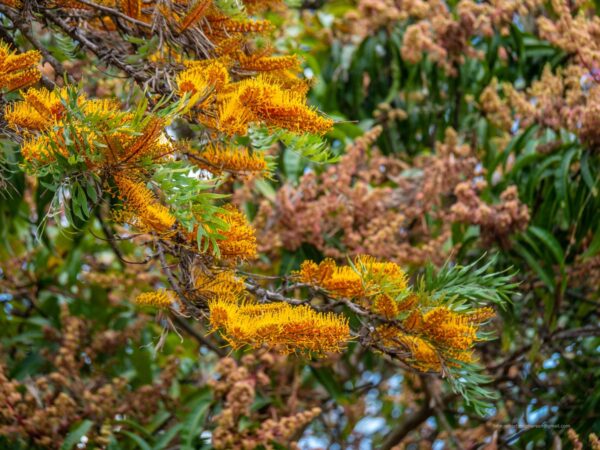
(270, 224)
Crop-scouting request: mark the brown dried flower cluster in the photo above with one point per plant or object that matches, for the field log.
(44, 408)
(237, 386)
(578, 444)
(372, 204)
(575, 30)
(434, 30)
(497, 222)
(568, 98)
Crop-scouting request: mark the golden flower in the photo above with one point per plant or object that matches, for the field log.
(160, 299)
(276, 107)
(279, 326)
(224, 285)
(202, 78)
(229, 45)
(386, 306)
(241, 26)
(138, 199)
(258, 63)
(218, 158)
(18, 70)
(195, 14)
(344, 282)
(379, 276)
(339, 281)
(232, 116)
(313, 273)
(449, 328)
(367, 277)
(39, 109)
(481, 315)
(422, 354)
(239, 240)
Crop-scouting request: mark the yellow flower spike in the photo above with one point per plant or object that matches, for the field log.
(21, 115)
(45, 102)
(386, 276)
(279, 326)
(339, 281)
(344, 282)
(104, 107)
(233, 117)
(276, 107)
(140, 200)
(147, 143)
(39, 109)
(42, 148)
(257, 309)
(218, 159)
(18, 70)
(385, 306)
(449, 328)
(203, 77)
(229, 45)
(224, 285)
(367, 278)
(241, 26)
(162, 299)
(239, 240)
(422, 355)
(481, 315)
(195, 14)
(313, 273)
(288, 80)
(132, 8)
(157, 217)
(222, 312)
(268, 63)
(36, 149)
(18, 80)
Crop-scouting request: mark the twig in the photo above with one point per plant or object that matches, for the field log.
(180, 321)
(116, 13)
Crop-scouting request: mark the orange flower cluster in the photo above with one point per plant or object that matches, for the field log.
(380, 286)
(275, 100)
(146, 212)
(106, 139)
(162, 299)
(435, 337)
(239, 240)
(18, 70)
(431, 335)
(278, 326)
(366, 278)
(113, 140)
(238, 160)
(224, 285)
(38, 111)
